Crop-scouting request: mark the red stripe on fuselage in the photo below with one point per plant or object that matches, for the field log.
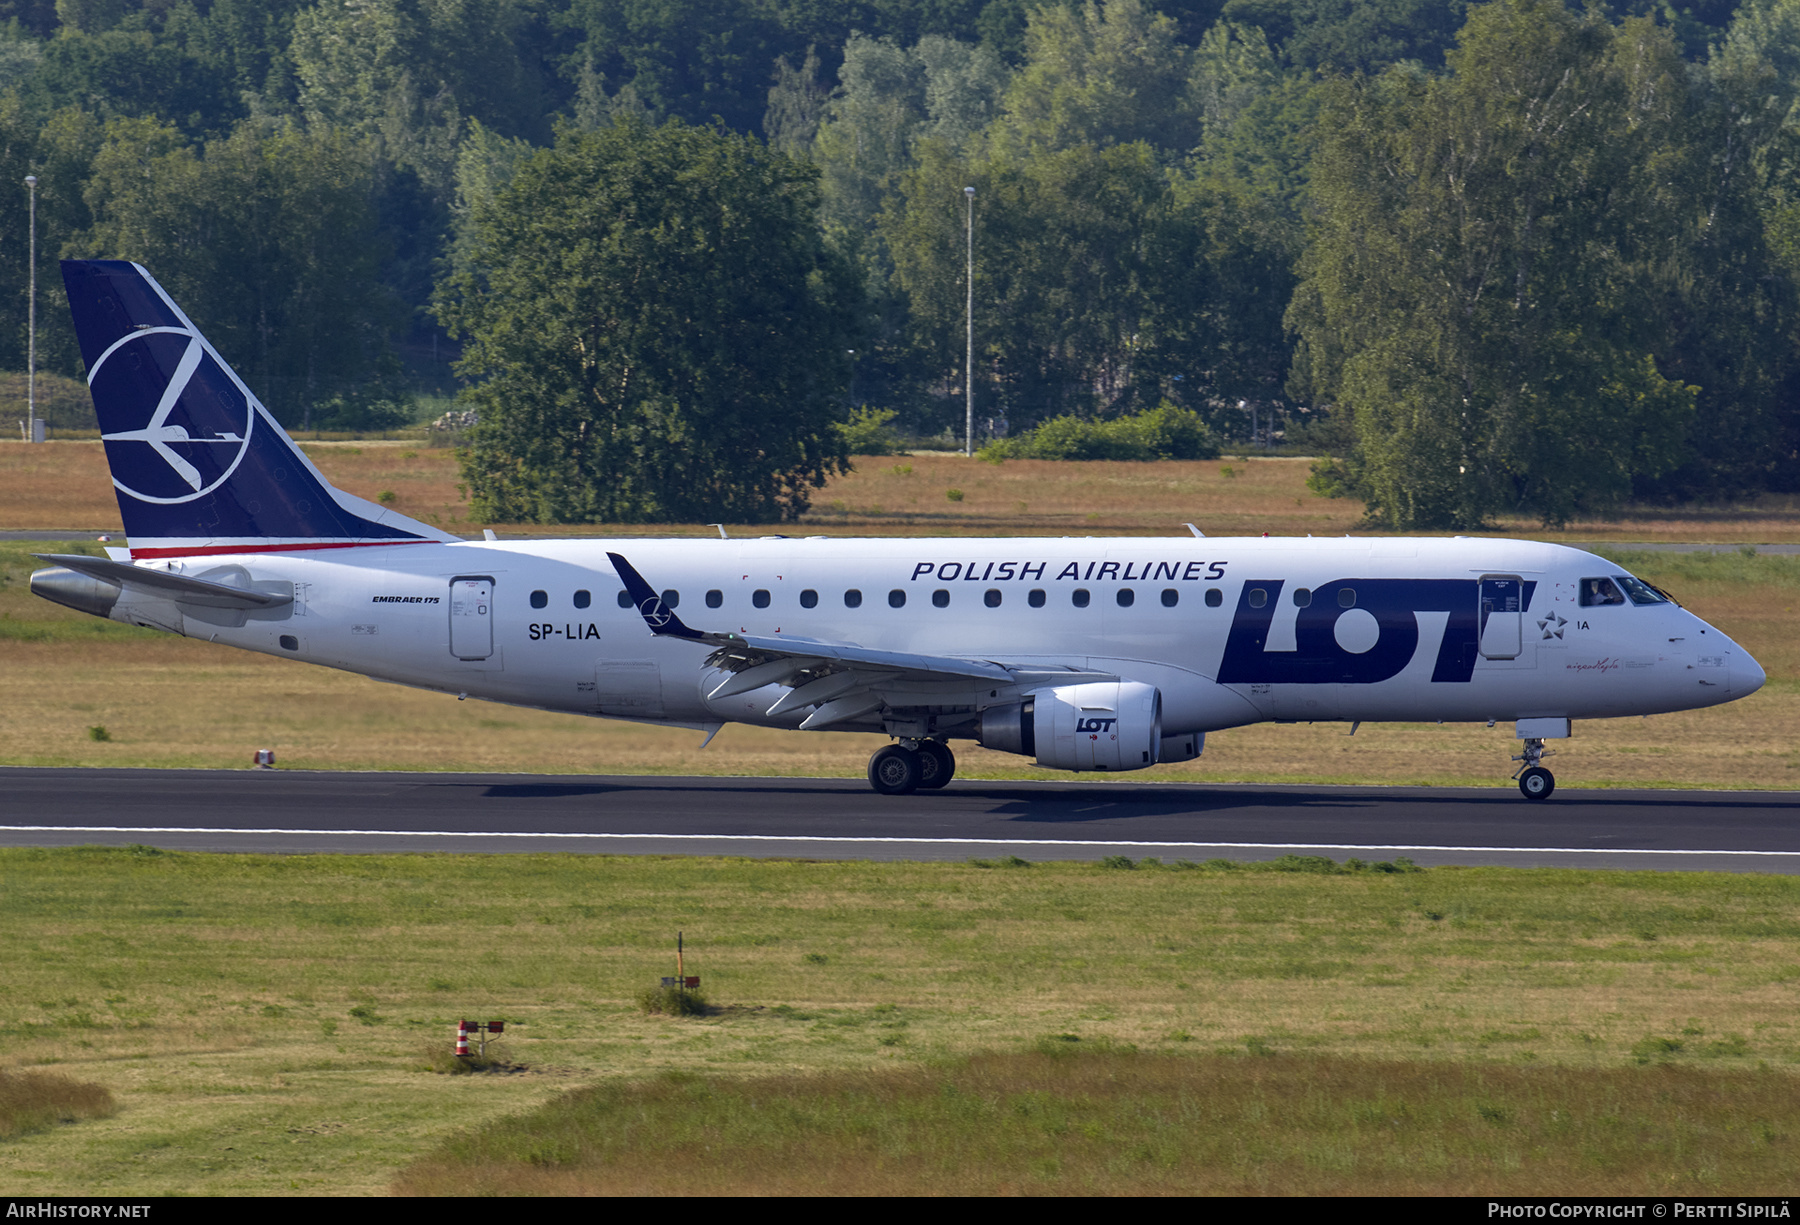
(295, 547)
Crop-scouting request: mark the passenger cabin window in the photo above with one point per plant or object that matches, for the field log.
(1600, 592)
(896, 598)
(624, 599)
(809, 598)
(1036, 598)
(760, 597)
(991, 597)
(540, 599)
(1170, 597)
(1214, 597)
(671, 598)
(1302, 597)
(940, 598)
(1126, 597)
(1346, 597)
(583, 598)
(1080, 597)
(1258, 597)
(853, 598)
(714, 598)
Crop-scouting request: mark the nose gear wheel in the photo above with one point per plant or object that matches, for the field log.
(1535, 782)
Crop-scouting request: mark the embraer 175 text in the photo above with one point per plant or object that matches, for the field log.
(1084, 654)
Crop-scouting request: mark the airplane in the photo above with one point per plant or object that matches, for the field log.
(1081, 654)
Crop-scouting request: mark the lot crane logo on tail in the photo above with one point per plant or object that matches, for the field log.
(199, 463)
(200, 424)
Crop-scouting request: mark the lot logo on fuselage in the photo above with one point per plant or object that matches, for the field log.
(175, 424)
(1361, 638)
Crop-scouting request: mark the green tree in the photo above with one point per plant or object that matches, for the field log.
(796, 102)
(1744, 349)
(265, 239)
(867, 131)
(132, 72)
(1354, 35)
(658, 331)
(694, 60)
(1217, 282)
(1488, 289)
(407, 73)
(1060, 268)
(60, 152)
(891, 102)
(1099, 75)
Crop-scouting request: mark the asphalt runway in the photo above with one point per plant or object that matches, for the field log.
(316, 811)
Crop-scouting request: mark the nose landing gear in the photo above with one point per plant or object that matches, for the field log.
(900, 769)
(1535, 782)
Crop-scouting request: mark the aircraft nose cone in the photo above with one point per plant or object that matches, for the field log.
(1747, 675)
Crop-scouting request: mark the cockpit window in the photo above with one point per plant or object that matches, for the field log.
(1599, 592)
(1640, 591)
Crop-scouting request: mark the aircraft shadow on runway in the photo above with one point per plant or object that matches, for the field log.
(1087, 802)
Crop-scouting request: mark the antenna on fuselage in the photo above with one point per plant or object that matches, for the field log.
(1198, 534)
(721, 527)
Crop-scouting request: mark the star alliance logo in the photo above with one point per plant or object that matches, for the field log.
(1552, 626)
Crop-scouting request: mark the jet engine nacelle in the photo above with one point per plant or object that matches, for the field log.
(1103, 725)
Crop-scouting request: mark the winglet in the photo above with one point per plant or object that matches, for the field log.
(658, 616)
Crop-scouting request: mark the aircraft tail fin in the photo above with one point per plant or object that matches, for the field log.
(199, 465)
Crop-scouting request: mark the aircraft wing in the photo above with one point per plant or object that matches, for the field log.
(843, 680)
(178, 587)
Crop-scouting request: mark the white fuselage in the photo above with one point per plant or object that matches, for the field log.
(1346, 629)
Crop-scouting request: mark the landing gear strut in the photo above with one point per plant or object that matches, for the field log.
(900, 769)
(1535, 782)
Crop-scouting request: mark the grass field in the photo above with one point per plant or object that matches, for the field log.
(266, 1025)
(262, 1022)
(64, 485)
(1063, 1121)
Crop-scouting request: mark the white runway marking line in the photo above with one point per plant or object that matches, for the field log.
(995, 842)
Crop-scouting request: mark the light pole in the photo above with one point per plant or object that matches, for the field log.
(31, 422)
(969, 353)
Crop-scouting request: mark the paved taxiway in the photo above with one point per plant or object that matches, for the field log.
(295, 811)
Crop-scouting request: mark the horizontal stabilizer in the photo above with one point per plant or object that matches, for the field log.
(177, 587)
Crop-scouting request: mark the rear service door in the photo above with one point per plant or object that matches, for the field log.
(472, 617)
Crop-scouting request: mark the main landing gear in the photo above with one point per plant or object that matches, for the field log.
(911, 765)
(1535, 782)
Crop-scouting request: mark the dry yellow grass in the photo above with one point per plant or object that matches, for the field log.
(172, 702)
(34, 1101)
(65, 485)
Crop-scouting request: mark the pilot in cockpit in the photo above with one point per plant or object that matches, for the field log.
(1600, 591)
